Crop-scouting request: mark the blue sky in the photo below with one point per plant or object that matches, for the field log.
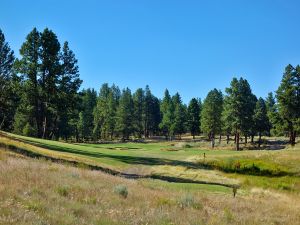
(185, 46)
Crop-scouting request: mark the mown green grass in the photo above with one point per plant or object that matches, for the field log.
(252, 168)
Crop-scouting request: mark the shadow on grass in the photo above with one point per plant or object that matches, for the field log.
(151, 161)
(135, 160)
(110, 171)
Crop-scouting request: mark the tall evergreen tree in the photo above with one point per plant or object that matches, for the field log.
(139, 112)
(7, 96)
(50, 71)
(68, 101)
(272, 112)
(288, 95)
(155, 116)
(86, 117)
(227, 118)
(238, 101)
(113, 103)
(211, 114)
(101, 113)
(125, 115)
(29, 110)
(194, 117)
(49, 104)
(167, 110)
(260, 118)
(147, 111)
(179, 124)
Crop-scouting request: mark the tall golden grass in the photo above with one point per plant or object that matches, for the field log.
(40, 192)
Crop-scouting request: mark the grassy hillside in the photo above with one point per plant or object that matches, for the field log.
(41, 192)
(177, 161)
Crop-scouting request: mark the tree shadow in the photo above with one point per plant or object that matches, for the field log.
(137, 160)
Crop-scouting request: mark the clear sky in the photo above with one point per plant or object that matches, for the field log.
(185, 46)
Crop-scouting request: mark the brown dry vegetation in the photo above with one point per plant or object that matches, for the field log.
(40, 192)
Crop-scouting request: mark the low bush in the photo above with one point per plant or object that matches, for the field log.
(188, 201)
(63, 190)
(121, 190)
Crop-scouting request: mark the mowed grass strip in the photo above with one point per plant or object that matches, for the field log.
(175, 160)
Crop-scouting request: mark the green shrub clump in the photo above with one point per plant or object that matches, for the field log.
(187, 201)
(121, 190)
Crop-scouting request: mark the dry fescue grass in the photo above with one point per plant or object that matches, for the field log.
(41, 192)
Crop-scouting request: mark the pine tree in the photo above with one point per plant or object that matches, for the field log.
(155, 116)
(167, 110)
(113, 102)
(239, 104)
(151, 113)
(29, 110)
(249, 102)
(101, 113)
(68, 101)
(211, 115)
(125, 115)
(288, 95)
(49, 101)
(147, 118)
(50, 71)
(7, 96)
(272, 112)
(139, 111)
(260, 118)
(227, 119)
(179, 124)
(194, 117)
(86, 117)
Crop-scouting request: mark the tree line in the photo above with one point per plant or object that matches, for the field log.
(41, 97)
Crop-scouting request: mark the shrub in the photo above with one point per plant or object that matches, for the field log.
(188, 200)
(63, 191)
(121, 190)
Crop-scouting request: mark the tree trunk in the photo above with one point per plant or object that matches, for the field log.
(212, 140)
(252, 138)
(44, 128)
(237, 141)
(227, 139)
(2, 122)
(259, 139)
(246, 139)
(293, 138)
(220, 138)
(235, 138)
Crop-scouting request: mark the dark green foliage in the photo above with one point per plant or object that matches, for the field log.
(86, 117)
(68, 100)
(105, 112)
(139, 112)
(193, 117)
(239, 108)
(288, 95)
(179, 125)
(49, 101)
(273, 115)
(8, 97)
(260, 118)
(167, 110)
(211, 114)
(151, 116)
(124, 125)
(29, 110)
(227, 119)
